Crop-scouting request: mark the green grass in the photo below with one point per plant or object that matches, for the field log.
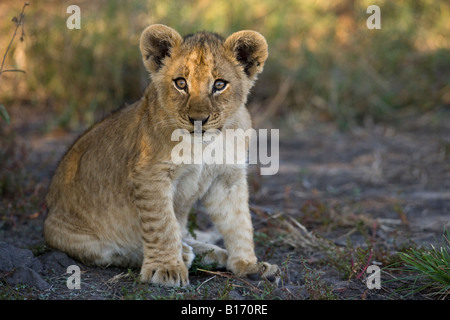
(315, 286)
(430, 269)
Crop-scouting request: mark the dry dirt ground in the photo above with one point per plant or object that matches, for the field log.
(341, 202)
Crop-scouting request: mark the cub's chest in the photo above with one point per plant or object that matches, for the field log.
(193, 179)
(191, 182)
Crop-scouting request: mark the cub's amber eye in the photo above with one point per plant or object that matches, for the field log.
(219, 85)
(180, 83)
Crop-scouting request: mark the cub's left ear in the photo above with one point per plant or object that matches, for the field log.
(249, 48)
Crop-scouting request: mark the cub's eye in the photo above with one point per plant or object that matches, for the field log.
(180, 83)
(219, 85)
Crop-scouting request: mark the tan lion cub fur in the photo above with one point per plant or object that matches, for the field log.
(118, 199)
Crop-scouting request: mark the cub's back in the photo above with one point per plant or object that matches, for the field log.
(101, 156)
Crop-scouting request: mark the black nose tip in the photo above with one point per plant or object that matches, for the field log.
(204, 120)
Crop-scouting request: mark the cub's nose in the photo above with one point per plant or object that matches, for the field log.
(203, 120)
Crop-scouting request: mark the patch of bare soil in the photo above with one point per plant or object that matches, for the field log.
(341, 202)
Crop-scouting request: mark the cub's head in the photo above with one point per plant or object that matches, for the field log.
(202, 77)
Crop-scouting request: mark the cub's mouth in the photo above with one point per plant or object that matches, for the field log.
(197, 131)
(210, 130)
(204, 129)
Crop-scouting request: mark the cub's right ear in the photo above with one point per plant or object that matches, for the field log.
(157, 42)
(249, 48)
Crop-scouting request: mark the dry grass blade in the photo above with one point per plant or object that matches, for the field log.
(230, 275)
(117, 278)
(299, 237)
(276, 103)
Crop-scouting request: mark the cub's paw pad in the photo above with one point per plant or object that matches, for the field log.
(168, 275)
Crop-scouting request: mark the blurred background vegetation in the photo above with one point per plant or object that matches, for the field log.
(324, 61)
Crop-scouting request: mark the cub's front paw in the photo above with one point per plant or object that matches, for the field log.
(251, 269)
(169, 275)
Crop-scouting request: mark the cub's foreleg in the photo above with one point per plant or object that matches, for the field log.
(227, 203)
(161, 233)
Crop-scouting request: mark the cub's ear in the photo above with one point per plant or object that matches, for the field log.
(249, 48)
(157, 42)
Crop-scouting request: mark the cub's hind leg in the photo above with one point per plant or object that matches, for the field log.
(210, 253)
(187, 253)
(83, 244)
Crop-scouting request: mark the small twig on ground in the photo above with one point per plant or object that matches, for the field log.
(117, 277)
(207, 280)
(367, 265)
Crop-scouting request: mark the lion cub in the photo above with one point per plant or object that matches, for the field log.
(117, 198)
